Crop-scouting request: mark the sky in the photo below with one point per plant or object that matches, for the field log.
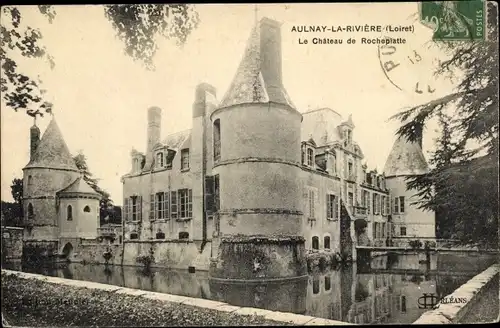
(101, 96)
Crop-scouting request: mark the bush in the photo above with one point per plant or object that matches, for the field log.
(415, 243)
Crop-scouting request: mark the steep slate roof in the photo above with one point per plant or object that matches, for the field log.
(175, 141)
(249, 84)
(79, 186)
(52, 151)
(405, 158)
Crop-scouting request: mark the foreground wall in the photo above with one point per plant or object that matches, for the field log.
(472, 292)
(136, 307)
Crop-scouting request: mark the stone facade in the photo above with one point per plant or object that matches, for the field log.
(259, 181)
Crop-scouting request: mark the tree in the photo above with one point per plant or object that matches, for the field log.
(137, 26)
(16, 190)
(106, 202)
(462, 186)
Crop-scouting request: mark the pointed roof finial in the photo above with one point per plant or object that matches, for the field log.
(256, 13)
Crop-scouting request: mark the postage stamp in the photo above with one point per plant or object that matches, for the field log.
(454, 20)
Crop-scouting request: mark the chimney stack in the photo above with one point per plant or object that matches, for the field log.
(205, 97)
(418, 134)
(34, 140)
(270, 54)
(153, 133)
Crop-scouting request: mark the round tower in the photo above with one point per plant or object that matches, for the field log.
(257, 133)
(50, 169)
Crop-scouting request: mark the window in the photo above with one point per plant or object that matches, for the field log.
(399, 204)
(170, 158)
(135, 164)
(402, 231)
(30, 180)
(184, 159)
(69, 213)
(183, 235)
(159, 160)
(160, 205)
(331, 207)
(133, 208)
(310, 157)
(375, 228)
(368, 204)
(403, 303)
(334, 163)
(173, 204)
(349, 169)
(30, 211)
(315, 286)
(383, 230)
(326, 242)
(315, 242)
(185, 204)
(387, 206)
(350, 198)
(217, 140)
(87, 209)
(152, 207)
(160, 235)
(216, 193)
(134, 235)
(328, 283)
(311, 203)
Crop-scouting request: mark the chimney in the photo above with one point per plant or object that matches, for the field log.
(270, 54)
(153, 133)
(34, 140)
(205, 97)
(418, 134)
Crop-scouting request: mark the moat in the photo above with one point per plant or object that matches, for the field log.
(386, 291)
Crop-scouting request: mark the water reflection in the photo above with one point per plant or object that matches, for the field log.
(386, 290)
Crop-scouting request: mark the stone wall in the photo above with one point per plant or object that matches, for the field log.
(12, 243)
(172, 254)
(472, 291)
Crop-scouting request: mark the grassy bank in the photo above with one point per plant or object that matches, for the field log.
(30, 302)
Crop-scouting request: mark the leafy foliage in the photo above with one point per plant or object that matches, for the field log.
(462, 186)
(18, 90)
(106, 201)
(137, 26)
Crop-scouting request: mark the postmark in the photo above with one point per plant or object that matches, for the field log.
(409, 67)
(454, 20)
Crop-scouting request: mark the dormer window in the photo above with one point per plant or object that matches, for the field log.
(310, 157)
(135, 164)
(184, 159)
(347, 137)
(160, 160)
(334, 162)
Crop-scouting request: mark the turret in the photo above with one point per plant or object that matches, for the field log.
(257, 134)
(406, 159)
(153, 134)
(34, 139)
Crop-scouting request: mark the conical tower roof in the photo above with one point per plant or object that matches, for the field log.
(52, 152)
(406, 158)
(258, 78)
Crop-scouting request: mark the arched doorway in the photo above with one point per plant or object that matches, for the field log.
(67, 251)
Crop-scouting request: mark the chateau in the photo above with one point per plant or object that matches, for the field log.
(255, 182)
(247, 193)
